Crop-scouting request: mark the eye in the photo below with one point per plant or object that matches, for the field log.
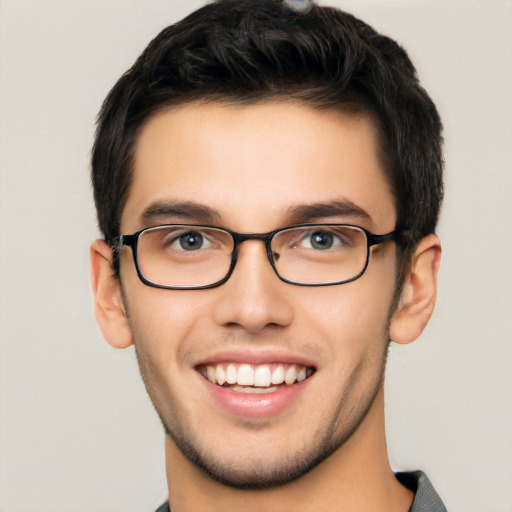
(318, 238)
(176, 240)
(191, 241)
(182, 241)
(322, 240)
(325, 239)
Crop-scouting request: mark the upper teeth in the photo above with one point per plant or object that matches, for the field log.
(254, 375)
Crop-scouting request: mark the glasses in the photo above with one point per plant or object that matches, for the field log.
(184, 256)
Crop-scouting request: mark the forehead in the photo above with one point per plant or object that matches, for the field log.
(252, 165)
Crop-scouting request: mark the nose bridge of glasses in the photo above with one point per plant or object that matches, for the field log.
(266, 238)
(244, 237)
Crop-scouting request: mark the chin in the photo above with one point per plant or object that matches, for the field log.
(265, 470)
(260, 473)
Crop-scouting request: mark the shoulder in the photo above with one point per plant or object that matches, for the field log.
(163, 508)
(426, 498)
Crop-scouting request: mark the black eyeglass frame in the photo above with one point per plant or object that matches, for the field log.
(116, 244)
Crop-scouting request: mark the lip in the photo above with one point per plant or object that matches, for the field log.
(263, 405)
(256, 356)
(255, 405)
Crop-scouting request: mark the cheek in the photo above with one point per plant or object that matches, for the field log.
(349, 318)
(160, 321)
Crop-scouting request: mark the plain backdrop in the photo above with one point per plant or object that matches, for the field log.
(77, 432)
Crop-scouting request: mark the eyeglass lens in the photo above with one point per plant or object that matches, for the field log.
(195, 256)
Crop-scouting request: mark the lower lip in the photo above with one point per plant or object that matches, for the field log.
(255, 405)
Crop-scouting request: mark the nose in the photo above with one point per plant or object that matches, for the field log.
(254, 298)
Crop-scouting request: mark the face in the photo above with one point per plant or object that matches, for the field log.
(255, 169)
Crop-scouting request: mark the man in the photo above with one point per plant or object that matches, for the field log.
(267, 178)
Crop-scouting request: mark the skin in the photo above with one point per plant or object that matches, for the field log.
(252, 166)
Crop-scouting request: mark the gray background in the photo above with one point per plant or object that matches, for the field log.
(77, 433)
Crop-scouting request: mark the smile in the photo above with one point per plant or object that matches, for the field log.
(256, 379)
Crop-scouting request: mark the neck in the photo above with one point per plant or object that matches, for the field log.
(357, 477)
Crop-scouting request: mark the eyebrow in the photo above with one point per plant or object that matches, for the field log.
(189, 211)
(184, 210)
(302, 214)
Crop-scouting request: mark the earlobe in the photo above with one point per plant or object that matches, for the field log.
(419, 292)
(108, 300)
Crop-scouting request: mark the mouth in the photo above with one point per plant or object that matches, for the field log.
(255, 378)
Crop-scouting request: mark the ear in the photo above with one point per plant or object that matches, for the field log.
(419, 292)
(108, 300)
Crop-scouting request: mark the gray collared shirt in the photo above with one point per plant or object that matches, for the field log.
(426, 498)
